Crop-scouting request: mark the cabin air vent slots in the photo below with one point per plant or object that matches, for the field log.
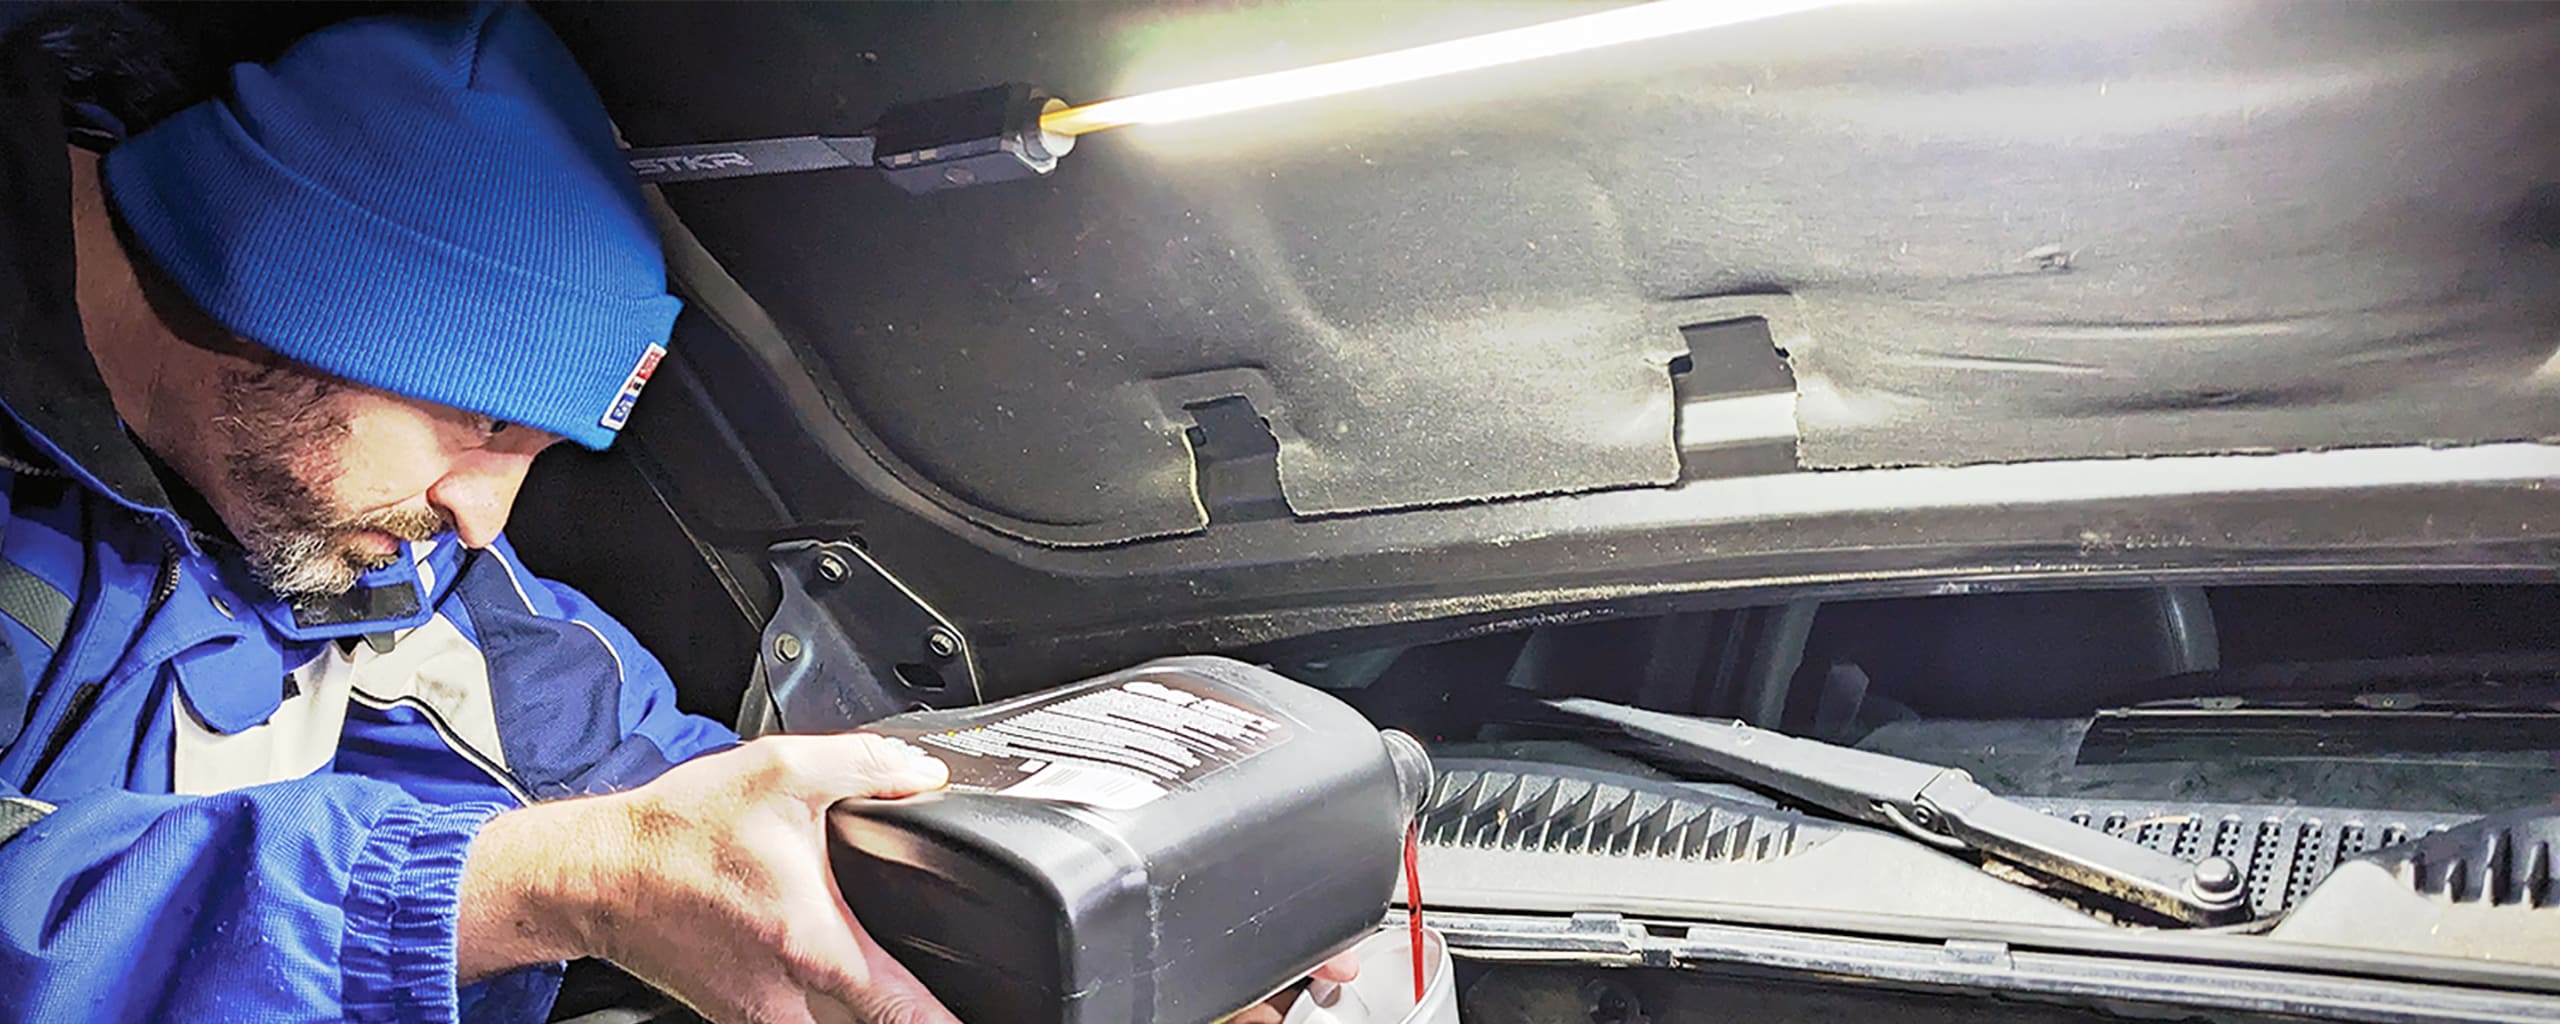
(2283, 853)
(1533, 813)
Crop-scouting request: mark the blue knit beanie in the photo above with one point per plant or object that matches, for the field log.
(435, 207)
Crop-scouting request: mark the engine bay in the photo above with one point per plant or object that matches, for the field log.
(2337, 744)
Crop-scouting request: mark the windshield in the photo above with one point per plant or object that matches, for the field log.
(2063, 694)
(2319, 696)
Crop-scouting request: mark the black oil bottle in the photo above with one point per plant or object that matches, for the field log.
(1165, 845)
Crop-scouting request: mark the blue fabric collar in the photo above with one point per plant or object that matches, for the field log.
(384, 600)
(233, 681)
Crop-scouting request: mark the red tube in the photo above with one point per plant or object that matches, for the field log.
(1413, 901)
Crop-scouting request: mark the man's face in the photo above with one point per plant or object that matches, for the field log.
(321, 479)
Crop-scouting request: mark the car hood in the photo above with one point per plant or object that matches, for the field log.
(1979, 232)
(1538, 334)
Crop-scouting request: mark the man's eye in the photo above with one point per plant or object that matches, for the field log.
(495, 427)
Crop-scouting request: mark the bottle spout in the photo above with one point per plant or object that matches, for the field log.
(1414, 774)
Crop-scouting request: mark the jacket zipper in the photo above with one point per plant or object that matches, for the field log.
(166, 586)
(85, 698)
(26, 468)
(82, 700)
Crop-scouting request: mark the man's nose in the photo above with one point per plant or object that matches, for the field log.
(478, 494)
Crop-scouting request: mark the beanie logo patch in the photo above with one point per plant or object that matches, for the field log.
(620, 413)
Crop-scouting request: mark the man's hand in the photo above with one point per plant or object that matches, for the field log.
(1342, 968)
(710, 882)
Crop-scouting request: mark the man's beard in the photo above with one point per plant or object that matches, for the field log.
(282, 428)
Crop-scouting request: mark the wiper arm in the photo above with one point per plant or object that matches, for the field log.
(1941, 806)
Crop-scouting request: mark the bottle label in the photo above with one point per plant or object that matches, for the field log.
(1118, 747)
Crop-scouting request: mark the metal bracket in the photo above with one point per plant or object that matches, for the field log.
(851, 645)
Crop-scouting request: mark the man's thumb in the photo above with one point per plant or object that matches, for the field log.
(884, 767)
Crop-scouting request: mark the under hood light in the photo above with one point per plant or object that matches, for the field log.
(1012, 132)
(1571, 35)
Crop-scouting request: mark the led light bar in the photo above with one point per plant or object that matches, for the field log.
(1571, 35)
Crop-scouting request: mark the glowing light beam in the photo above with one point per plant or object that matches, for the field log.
(1570, 35)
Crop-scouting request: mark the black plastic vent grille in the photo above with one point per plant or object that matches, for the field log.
(2282, 851)
(1566, 813)
(2501, 860)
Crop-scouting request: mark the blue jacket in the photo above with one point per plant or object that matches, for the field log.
(259, 811)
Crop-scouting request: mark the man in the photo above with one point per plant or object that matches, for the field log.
(285, 726)
(286, 729)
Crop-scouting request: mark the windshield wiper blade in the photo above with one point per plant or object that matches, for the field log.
(1941, 806)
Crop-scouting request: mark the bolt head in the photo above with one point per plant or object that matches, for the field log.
(787, 647)
(2217, 876)
(942, 643)
(832, 568)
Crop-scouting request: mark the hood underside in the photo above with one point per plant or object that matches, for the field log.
(1955, 233)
